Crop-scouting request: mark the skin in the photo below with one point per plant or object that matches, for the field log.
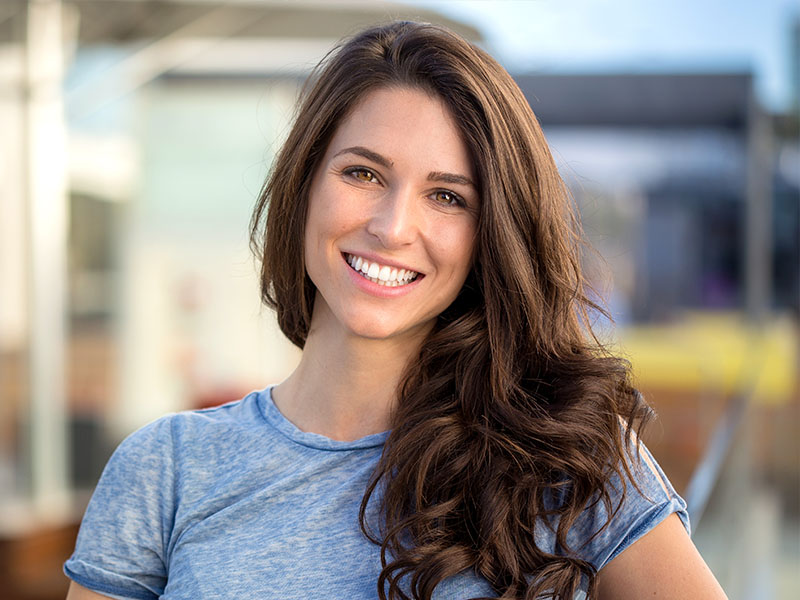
(663, 564)
(394, 204)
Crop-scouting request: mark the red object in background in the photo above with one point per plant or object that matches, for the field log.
(208, 398)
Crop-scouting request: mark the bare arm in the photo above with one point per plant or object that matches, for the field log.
(663, 564)
(78, 592)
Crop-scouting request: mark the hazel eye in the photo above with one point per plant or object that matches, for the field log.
(362, 174)
(447, 198)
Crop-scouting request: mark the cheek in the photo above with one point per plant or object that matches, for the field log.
(457, 248)
(318, 220)
(330, 211)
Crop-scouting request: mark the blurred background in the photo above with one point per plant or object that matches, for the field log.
(135, 136)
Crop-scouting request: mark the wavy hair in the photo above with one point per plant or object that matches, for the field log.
(512, 416)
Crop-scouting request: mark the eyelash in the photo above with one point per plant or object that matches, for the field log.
(351, 171)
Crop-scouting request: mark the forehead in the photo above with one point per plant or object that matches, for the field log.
(405, 122)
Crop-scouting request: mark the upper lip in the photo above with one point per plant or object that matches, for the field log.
(382, 261)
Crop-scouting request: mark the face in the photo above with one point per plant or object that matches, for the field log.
(392, 218)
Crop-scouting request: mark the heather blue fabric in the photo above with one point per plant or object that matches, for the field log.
(236, 502)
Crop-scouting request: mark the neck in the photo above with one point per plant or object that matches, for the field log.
(345, 387)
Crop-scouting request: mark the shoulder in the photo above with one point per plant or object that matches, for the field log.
(664, 562)
(239, 414)
(186, 431)
(641, 496)
(155, 459)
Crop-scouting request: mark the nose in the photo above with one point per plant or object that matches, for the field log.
(395, 218)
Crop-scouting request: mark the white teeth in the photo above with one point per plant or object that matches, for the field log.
(380, 274)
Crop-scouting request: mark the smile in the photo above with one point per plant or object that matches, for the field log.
(380, 274)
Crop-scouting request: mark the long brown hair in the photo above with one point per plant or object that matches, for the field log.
(511, 402)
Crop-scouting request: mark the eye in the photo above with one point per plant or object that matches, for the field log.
(362, 174)
(448, 198)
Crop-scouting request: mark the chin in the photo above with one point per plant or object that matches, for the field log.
(387, 331)
(375, 333)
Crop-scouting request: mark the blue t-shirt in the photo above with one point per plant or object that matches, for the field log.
(237, 502)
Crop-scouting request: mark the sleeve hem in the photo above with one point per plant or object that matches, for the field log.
(104, 588)
(641, 530)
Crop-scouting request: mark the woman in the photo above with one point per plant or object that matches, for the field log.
(452, 430)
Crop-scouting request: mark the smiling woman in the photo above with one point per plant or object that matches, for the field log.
(453, 430)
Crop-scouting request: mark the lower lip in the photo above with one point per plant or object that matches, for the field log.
(382, 291)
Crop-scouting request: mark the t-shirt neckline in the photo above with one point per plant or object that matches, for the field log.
(312, 440)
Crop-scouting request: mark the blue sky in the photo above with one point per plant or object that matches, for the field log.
(639, 35)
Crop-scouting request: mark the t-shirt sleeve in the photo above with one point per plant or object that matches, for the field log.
(121, 550)
(640, 511)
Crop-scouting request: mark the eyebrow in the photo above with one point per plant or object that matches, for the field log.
(450, 178)
(438, 176)
(368, 154)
